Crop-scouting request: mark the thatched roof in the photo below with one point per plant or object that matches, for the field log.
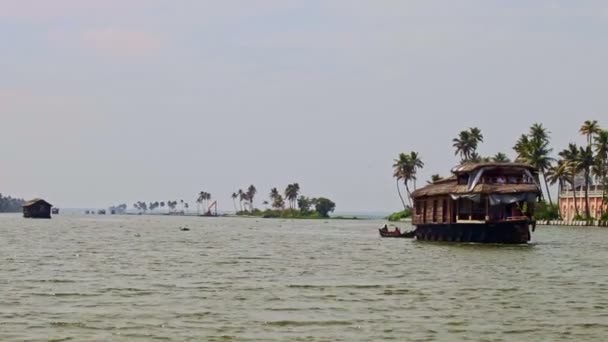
(452, 187)
(470, 167)
(36, 201)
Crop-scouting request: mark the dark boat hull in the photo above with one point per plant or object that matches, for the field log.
(512, 232)
(389, 234)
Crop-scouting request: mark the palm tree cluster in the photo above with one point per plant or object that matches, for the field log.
(466, 144)
(153, 205)
(203, 199)
(533, 148)
(590, 161)
(322, 206)
(405, 168)
(118, 209)
(291, 194)
(276, 200)
(574, 163)
(144, 207)
(140, 206)
(245, 197)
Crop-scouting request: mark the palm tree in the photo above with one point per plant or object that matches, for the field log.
(585, 163)
(234, 196)
(522, 145)
(200, 201)
(241, 198)
(476, 135)
(251, 191)
(558, 174)
(534, 149)
(291, 194)
(405, 168)
(274, 193)
(398, 172)
(538, 132)
(296, 190)
(601, 169)
(277, 199)
(416, 164)
(570, 158)
(589, 128)
(500, 158)
(466, 144)
(476, 158)
(462, 144)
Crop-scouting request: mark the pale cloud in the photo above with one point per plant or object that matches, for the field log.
(121, 42)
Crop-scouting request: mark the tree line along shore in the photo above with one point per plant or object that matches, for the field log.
(564, 168)
(291, 203)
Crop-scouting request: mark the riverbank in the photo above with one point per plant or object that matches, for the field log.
(226, 215)
(572, 223)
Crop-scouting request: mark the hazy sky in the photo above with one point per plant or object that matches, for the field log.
(104, 102)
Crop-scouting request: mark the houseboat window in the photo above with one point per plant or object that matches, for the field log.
(434, 211)
(444, 211)
(418, 205)
(464, 209)
(469, 210)
(463, 180)
(424, 213)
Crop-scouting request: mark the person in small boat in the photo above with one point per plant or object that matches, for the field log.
(385, 228)
(397, 231)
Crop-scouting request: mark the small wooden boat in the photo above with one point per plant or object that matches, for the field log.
(393, 234)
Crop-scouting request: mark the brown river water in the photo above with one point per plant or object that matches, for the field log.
(139, 278)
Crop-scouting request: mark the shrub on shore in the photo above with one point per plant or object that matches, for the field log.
(278, 213)
(397, 216)
(546, 211)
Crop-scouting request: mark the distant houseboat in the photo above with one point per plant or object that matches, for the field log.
(480, 202)
(37, 208)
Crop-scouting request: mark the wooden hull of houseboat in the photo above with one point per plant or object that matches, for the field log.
(508, 232)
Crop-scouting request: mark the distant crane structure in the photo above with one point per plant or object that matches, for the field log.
(212, 206)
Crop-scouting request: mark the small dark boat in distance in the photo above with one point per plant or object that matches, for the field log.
(395, 234)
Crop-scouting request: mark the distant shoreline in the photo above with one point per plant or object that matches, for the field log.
(337, 217)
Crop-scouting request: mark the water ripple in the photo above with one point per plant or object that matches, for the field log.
(140, 279)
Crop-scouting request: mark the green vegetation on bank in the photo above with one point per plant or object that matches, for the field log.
(10, 205)
(399, 215)
(576, 167)
(546, 211)
(287, 213)
(299, 206)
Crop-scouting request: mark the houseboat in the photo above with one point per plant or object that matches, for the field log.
(37, 208)
(480, 202)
